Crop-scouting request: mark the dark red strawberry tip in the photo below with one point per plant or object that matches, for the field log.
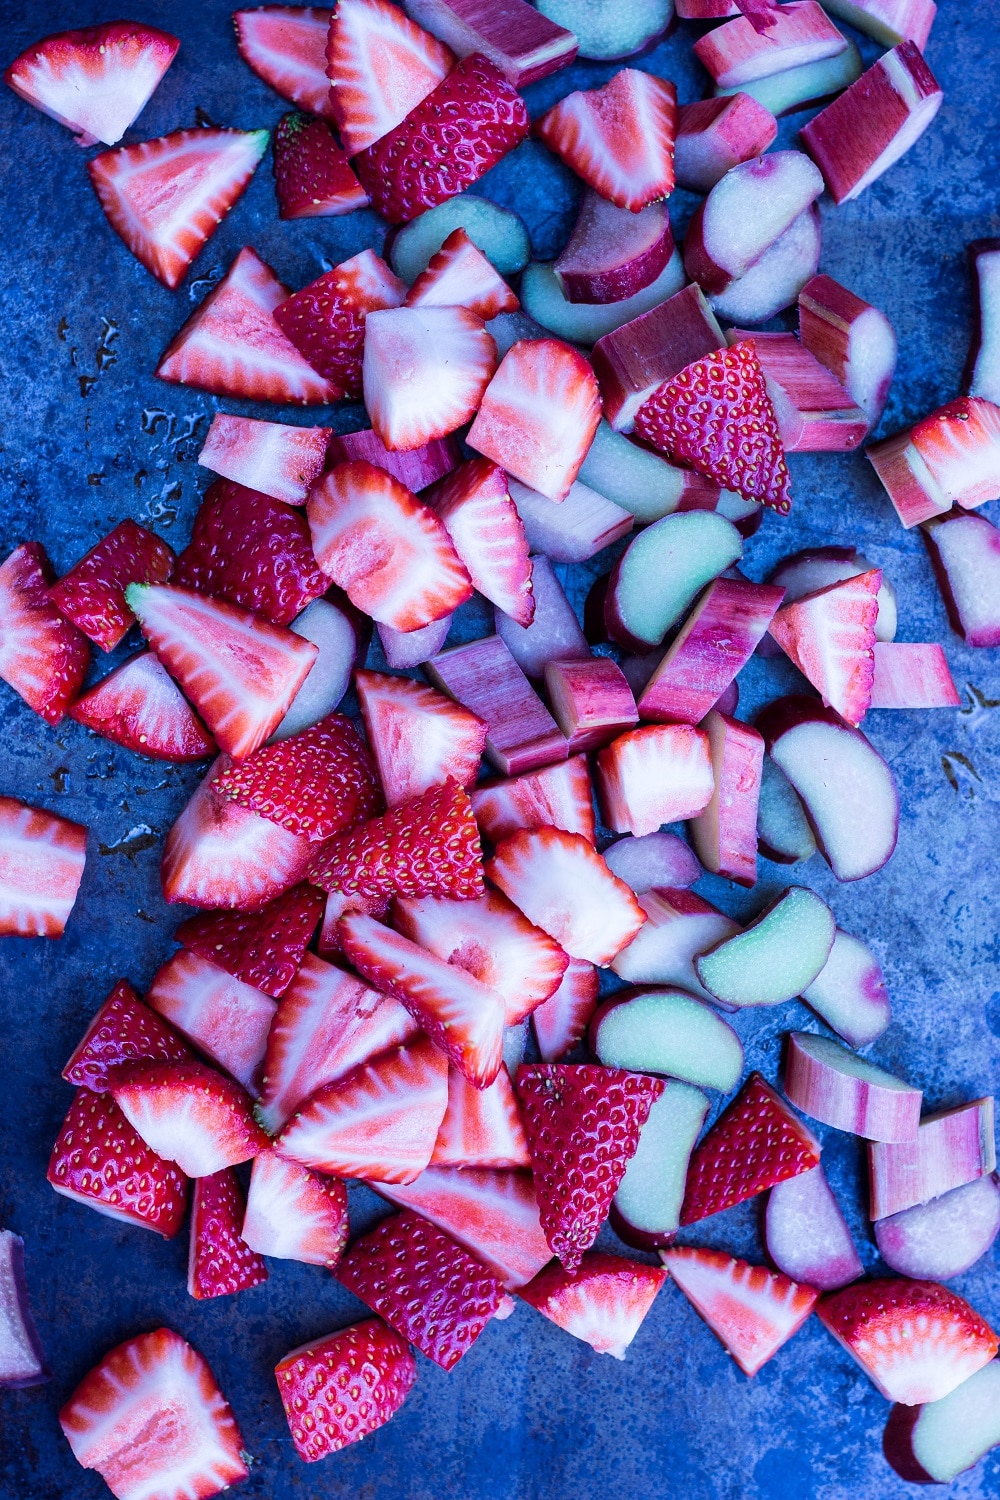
(123, 1030)
(339, 1389)
(92, 594)
(312, 176)
(220, 1261)
(263, 948)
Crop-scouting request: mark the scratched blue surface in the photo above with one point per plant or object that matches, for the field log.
(88, 437)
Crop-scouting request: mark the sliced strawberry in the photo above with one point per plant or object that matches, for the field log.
(492, 941)
(915, 1339)
(317, 784)
(41, 865)
(326, 1405)
(425, 371)
(251, 550)
(446, 143)
(167, 197)
(379, 1121)
(751, 1310)
(92, 595)
(539, 415)
(603, 1303)
(240, 671)
(380, 65)
(481, 1127)
(221, 855)
(188, 1113)
(619, 138)
(418, 737)
(42, 656)
(562, 1020)
(459, 275)
(220, 1262)
(425, 1286)
(262, 948)
(326, 319)
(268, 457)
(716, 417)
(312, 176)
(830, 636)
(327, 1023)
(140, 707)
(960, 444)
(95, 80)
(294, 1214)
(100, 1161)
(583, 1124)
(224, 1018)
(390, 554)
(562, 885)
(151, 1420)
(232, 346)
(559, 796)
(755, 1143)
(463, 1017)
(123, 1030)
(482, 520)
(656, 774)
(286, 46)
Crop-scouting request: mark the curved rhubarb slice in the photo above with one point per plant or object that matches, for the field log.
(652, 861)
(663, 570)
(746, 213)
(934, 1443)
(646, 1211)
(945, 1237)
(22, 1361)
(951, 1148)
(783, 831)
(807, 1236)
(776, 957)
(679, 926)
(497, 232)
(849, 992)
(612, 253)
(608, 32)
(544, 300)
(830, 1083)
(667, 1031)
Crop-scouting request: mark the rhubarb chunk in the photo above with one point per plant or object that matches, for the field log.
(841, 1089)
(951, 1148)
(483, 677)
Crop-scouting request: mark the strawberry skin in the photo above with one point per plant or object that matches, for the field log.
(582, 1124)
(465, 126)
(262, 948)
(424, 1285)
(92, 595)
(312, 176)
(619, 138)
(716, 417)
(418, 737)
(326, 319)
(380, 65)
(603, 1303)
(42, 656)
(220, 1263)
(286, 46)
(141, 708)
(123, 1030)
(42, 857)
(327, 1406)
(190, 1114)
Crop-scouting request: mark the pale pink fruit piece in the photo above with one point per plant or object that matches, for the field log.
(960, 444)
(984, 355)
(414, 467)
(554, 633)
(830, 636)
(591, 701)
(559, 796)
(816, 568)
(776, 279)
(839, 1088)
(907, 480)
(807, 1236)
(634, 360)
(518, 39)
(425, 372)
(951, 1148)
(745, 213)
(576, 529)
(483, 677)
(653, 861)
(776, 957)
(912, 675)
(460, 275)
(266, 456)
(667, 1031)
(854, 340)
(659, 773)
(411, 648)
(646, 1211)
(751, 1310)
(612, 253)
(22, 1361)
(714, 135)
(945, 1237)
(934, 1443)
(336, 639)
(849, 992)
(481, 1127)
(679, 926)
(965, 553)
(724, 834)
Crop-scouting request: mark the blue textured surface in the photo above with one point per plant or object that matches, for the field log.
(88, 437)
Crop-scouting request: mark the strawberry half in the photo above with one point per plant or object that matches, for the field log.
(619, 138)
(916, 1340)
(716, 417)
(251, 550)
(446, 143)
(424, 1285)
(42, 656)
(42, 857)
(286, 46)
(327, 1023)
(538, 417)
(165, 198)
(95, 80)
(482, 520)
(100, 1161)
(326, 319)
(418, 737)
(380, 1120)
(481, 1127)
(92, 594)
(459, 275)
(830, 636)
(325, 1403)
(123, 1030)
(562, 1020)
(582, 1124)
(312, 176)
(559, 796)
(268, 457)
(294, 1214)
(188, 1113)
(263, 948)
(232, 346)
(220, 1262)
(462, 1016)
(960, 444)
(240, 671)
(141, 708)
(603, 1303)
(151, 1420)
(755, 1143)
(425, 371)
(224, 1018)
(390, 554)
(380, 65)
(751, 1310)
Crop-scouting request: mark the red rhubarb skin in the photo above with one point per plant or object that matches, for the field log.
(847, 1102)
(484, 677)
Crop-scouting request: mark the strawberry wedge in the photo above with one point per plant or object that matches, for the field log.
(224, 1018)
(603, 1304)
(92, 594)
(262, 948)
(295, 1214)
(558, 796)
(189, 1114)
(481, 1127)
(562, 1020)
(277, 460)
(99, 1160)
(830, 636)
(459, 275)
(619, 138)
(418, 737)
(425, 370)
(123, 1030)
(380, 65)
(326, 319)
(482, 520)
(751, 1310)
(220, 1262)
(42, 656)
(312, 176)
(286, 46)
(41, 866)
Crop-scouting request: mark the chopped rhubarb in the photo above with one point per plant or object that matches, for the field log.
(484, 678)
(950, 1148)
(634, 361)
(839, 1088)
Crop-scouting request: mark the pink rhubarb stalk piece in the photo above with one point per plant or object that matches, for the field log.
(854, 340)
(807, 1236)
(965, 554)
(483, 677)
(414, 467)
(554, 633)
(590, 700)
(656, 774)
(911, 674)
(714, 135)
(984, 355)
(951, 1148)
(576, 529)
(523, 44)
(557, 796)
(612, 253)
(725, 833)
(271, 457)
(706, 10)
(633, 361)
(562, 1020)
(888, 21)
(873, 123)
(836, 1086)
(907, 480)
(737, 53)
(815, 413)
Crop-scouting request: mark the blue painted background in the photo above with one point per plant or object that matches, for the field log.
(87, 437)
